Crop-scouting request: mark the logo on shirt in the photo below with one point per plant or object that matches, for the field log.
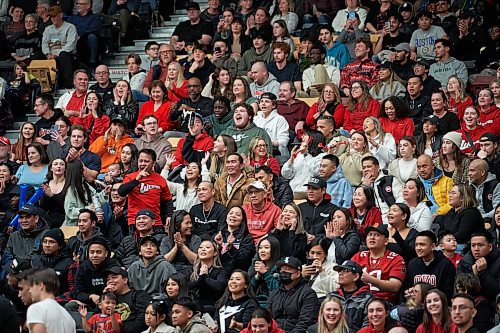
(144, 188)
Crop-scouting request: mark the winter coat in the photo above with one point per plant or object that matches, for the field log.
(241, 309)
(240, 254)
(302, 168)
(242, 137)
(22, 245)
(345, 246)
(439, 273)
(437, 188)
(261, 222)
(339, 189)
(128, 250)
(316, 217)
(295, 309)
(382, 194)
(371, 217)
(291, 243)
(60, 262)
(282, 191)
(238, 194)
(79, 246)
(493, 197)
(462, 223)
(151, 278)
(208, 288)
(355, 306)
(129, 110)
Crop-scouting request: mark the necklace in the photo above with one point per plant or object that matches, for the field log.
(374, 262)
(207, 215)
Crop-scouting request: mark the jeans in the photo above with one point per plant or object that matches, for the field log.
(139, 96)
(309, 20)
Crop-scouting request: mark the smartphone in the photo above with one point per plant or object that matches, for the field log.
(351, 15)
(387, 25)
(54, 129)
(191, 119)
(309, 261)
(221, 18)
(217, 49)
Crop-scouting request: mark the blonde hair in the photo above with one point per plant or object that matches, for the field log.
(252, 145)
(214, 158)
(180, 76)
(197, 263)
(341, 326)
(468, 195)
(461, 89)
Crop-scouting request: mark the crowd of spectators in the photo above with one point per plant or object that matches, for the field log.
(201, 193)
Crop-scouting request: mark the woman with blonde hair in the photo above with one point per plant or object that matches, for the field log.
(290, 232)
(389, 84)
(458, 99)
(176, 83)
(351, 159)
(27, 135)
(495, 88)
(464, 218)
(331, 318)
(328, 103)
(258, 155)
(382, 145)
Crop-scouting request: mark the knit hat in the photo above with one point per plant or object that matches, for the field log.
(454, 137)
(57, 235)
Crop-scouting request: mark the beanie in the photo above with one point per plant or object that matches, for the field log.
(57, 235)
(454, 137)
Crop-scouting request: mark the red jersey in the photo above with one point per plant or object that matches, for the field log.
(455, 259)
(100, 323)
(148, 194)
(391, 265)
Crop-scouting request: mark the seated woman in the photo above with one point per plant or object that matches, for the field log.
(378, 317)
(343, 232)
(488, 111)
(327, 322)
(286, 12)
(264, 274)
(389, 84)
(342, 15)
(394, 118)
(327, 105)
(234, 309)
(290, 233)
(429, 142)
(453, 163)
(237, 41)
(128, 158)
(259, 155)
(224, 145)
(20, 89)
(464, 218)
(181, 246)
(262, 318)
(159, 106)
(401, 236)
(414, 197)
(55, 192)
(93, 116)
(351, 159)
(359, 106)
(236, 245)
(208, 279)
(364, 211)
(28, 46)
(123, 104)
(437, 317)
(27, 135)
(35, 170)
(157, 317)
(458, 99)
(176, 83)
(242, 94)
(136, 76)
(405, 167)
(260, 21)
(471, 132)
(219, 84)
(381, 144)
(282, 34)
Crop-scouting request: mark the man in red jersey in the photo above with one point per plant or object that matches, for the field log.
(147, 189)
(383, 270)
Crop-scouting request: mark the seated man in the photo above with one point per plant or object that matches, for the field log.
(207, 225)
(221, 57)
(423, 39)
(158, 71)
(231, 186)
(72, 101)
(103, 87)
(91, 162)
(59, 43)
(336, 142)
(363, 68)
(446, 65)
(418, 103)
(283, 69)
(350, 33)
(88, 26)
(193, 30)
(200, 66)
(421, 68)
(383, 270)
(337, 54)
(274, 124)
(391, 37)
(87, 230)
(185, 315)
(153, 139)
(337, 186)
(263, 80)
(487, 188)
(282, 192)
(320, 72)
(293, 109)
(260, 52)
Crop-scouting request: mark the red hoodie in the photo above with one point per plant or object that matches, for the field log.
(354, 119)
(98, 126)
(474, 134)
(202, 143)
(338, 115)
(273, 329)
(398, 127)
(490, 120)
(459, 107)
(372, 216)
(261, 222)
(163, 114)
(436, 328)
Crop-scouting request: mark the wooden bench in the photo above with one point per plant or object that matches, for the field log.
(69, 231)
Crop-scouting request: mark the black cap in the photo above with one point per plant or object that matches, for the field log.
(192, 5)
(150, 238)
(318, 182)
(422, 62)
(432, 119)
(380, 228)
(290, 261)
(118, 118)
(28, 209)
(386, 65)
(16, 268)
(406, 7)
(147, 212)
(117, 270)
(269, 95)
(349, 265)
(488, 137)
(467, 13)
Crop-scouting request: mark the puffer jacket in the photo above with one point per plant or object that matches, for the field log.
(238, 194)
(128, 250)
(295, 309)
(355, 307)
(60, 262)
(291, 243)
(282, 192)
(439, 186)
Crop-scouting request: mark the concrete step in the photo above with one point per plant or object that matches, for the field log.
(164, 30)
(12, 135)
(142, 42)
(162, 34)
(132, 48)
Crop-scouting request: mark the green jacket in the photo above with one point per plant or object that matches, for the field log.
(219, 125)
(242, 137)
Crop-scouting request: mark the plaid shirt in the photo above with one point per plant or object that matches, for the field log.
(360, 70)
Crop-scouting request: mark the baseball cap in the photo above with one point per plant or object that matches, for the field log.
(349, 265)
(380, 228)
(269, 95)
(422, 62)
(5, 141)
(28, 209)
(406, 7)
(149, 238)
(432, 118)
(488, 137)
(146, 212)
(192, 5)
(120, 119)
(386, 65)
(318, 182)
(117, 270)
(467, 13)
(16, 267)
(54, 10)
(402, 47)
(290, 261)
(258, 185)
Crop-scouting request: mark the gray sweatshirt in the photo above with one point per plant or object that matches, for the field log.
(150, 278)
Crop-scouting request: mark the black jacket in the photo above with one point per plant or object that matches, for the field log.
(207, 226)
(315, 217)
(128, 250)
(440, 273)
(209, 288)
(91, 280)
(292, 244)
(489, 277)
(132, 306)
(203, 106)
(346, 246)
(355, 306)
(79, 246)
(240, 254)
(420, 107)
(435, 143)
(463, 223)
(282, 191)
(296, 309)
(43, 125)
(243, 307)
(60, 263)
(430, 85)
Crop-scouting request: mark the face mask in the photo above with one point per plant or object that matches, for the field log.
(286, 278)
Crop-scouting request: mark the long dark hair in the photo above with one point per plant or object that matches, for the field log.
(445, 314)
(50, 174)
(100, 104)
(401, 108)
(351, 226)
(175, 224)
(183, 288)
(133, 162)
(243, 230)
(75, 180)
(275, 253)
(198, 180)
(227, 294)
(44, 158)
(216, 86)
(369, 194)
(317, 141)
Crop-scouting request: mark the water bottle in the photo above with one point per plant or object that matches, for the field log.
(97, 204)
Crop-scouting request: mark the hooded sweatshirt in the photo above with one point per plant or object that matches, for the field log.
(273, 329)
(195, 325)
(109, 150)
(251, 56)
(22, 245)
(79, 246)
(270, 85)
(490, 120)
(242, 137)
(261, 222)
(219, 124)
(276, 126)
(158, 143)
(436, 191)
(493, 196)
(339, 189)
(475, 135)
(442, 70)
(150, 278)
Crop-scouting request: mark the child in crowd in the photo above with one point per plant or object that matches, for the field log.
(107, 321)
(448, 244)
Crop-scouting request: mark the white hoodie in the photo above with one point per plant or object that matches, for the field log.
(277, 128)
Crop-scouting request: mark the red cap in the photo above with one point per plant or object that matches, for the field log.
(5, 141)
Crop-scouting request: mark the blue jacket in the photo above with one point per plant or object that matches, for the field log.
(338, 55)
(88, 24)
(339, 189)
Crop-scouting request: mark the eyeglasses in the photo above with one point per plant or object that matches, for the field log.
(193, 86)
(151, 123)
(37, 104)
(166, 52)
(460, 308)
(83, 3)
(355, 87)
(101, 73)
